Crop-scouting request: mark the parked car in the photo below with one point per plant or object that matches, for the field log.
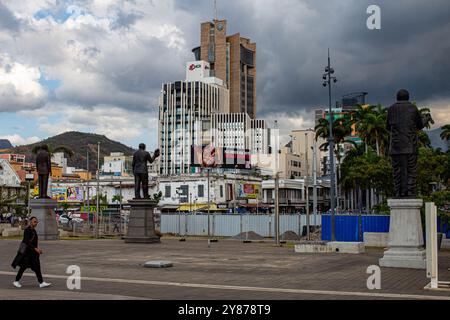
(65, 219)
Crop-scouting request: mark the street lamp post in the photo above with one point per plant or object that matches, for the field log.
(314, 148)
(307, 187)
(328, 78)
(209, 231)
(98, 191)
(87, 187)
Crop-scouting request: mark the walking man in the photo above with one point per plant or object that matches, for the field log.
(28, 255)
(140, 170)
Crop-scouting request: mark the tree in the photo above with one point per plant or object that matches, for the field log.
(426, 114)
(117, 198)
(370, 124)
(424, 140)
(445, 134)
(431, 169)
(52, 150)
(157, 197)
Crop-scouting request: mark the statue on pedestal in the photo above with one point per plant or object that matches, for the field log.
(44, 170)
(140, 170)
(404, 121)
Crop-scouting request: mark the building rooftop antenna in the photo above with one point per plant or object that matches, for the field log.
(215, 10)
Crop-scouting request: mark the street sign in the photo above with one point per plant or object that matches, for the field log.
(29, 177)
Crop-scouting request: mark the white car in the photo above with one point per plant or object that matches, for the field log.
(65, 219)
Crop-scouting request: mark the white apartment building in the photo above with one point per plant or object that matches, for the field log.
(117, 164)
(185, 111)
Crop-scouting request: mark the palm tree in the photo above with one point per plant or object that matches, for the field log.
(445, 134)
(371, 126)
(52, 150)
(341, 130)
(424, 112)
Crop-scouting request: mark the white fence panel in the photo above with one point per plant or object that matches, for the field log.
(231, 225)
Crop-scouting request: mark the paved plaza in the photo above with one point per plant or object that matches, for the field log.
(227, 270)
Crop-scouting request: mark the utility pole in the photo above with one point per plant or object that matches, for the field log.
(277, 209)
(277, 186)
(235, 190)
(120, 206)
(327, 77)
(98, 191)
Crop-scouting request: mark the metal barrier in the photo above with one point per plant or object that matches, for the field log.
(226, 225)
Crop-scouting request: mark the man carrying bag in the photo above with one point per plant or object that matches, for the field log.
(28, 255)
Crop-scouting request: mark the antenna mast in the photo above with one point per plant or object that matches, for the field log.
(215, 9)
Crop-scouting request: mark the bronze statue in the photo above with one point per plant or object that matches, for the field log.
(404, 121)
(44, 170)
(140, 170)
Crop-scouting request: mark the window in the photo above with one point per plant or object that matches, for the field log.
(201, 191)
(221, 191)
(167, 192)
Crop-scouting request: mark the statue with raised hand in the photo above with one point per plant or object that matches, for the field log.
(140, 170)
(404, 121)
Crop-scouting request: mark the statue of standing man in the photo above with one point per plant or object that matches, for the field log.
(140, 170)
(404, 121)
(44, 170)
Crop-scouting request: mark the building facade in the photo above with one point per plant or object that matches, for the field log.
(185, 116)
(232, 59)
(117, 164)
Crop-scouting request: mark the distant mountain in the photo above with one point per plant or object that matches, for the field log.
(80, 143)
(5, 144)
(436, 141)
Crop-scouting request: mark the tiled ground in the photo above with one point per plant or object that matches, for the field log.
(226, 270)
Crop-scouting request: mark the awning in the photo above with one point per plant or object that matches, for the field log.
(203, 207)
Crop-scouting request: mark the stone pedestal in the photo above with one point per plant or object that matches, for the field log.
(44, 211)
(141, 226)
(406, 244)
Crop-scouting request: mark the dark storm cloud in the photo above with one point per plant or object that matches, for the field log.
(411, 49)
(7, 20)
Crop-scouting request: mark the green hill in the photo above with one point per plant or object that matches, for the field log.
(80, 143)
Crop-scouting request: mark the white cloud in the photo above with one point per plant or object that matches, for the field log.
(113, 122)
(19, 85)
(96, 61)
(18, 140)
(289, 122)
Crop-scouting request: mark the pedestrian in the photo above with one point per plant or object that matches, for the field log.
(28, 255)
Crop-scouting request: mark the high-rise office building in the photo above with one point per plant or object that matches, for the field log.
(185, 110)
(232, 59)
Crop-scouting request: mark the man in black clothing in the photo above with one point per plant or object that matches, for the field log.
(404, 121)
(29, 258)
(140, 170)
(44, 169)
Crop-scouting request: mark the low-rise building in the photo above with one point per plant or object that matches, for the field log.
(117, 164)
(292, 195)
(227, 192)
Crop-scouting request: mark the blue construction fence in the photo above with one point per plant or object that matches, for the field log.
(351, 228)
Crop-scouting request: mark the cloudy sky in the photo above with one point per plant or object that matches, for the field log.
(97, 65)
